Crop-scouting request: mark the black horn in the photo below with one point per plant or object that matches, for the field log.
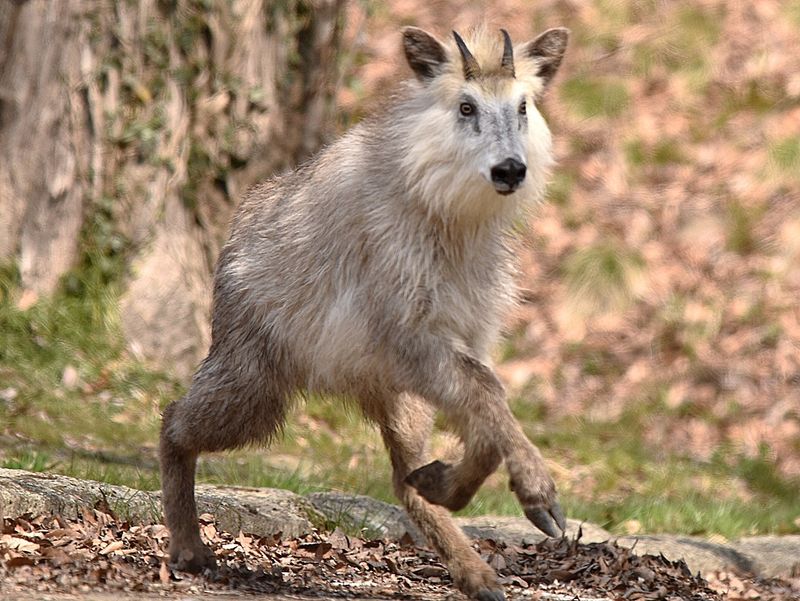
(507, 63)
(471, 67)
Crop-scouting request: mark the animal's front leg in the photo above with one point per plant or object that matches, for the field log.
(454, 485)
(406, 425)
(535, 489)
(472, 398)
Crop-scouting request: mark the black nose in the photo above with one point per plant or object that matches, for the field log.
(508, 175)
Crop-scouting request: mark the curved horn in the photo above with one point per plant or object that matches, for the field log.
(507, 62)
(471, 67)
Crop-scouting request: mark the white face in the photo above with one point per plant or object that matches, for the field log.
(494, 124)
(473, 131)
(470, 152)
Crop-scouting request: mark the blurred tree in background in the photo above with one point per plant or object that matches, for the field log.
(128, 131)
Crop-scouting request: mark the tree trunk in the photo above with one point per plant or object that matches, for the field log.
(128, 131)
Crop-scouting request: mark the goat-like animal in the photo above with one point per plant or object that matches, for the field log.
(379, 271)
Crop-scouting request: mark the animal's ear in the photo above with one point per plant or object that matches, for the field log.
(548, 50)
(424, 53)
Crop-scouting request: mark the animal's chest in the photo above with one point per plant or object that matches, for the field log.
(466, 306)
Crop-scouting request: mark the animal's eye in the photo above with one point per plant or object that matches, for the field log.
(466, 109)
(523, 108)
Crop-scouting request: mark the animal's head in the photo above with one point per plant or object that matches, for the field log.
(477, 131)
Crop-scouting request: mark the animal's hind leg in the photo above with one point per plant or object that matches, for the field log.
(229, 404)
(406, 426)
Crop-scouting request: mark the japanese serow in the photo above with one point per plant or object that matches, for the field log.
(379, 272)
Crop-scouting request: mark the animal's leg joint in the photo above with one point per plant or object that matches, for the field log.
(437, 484)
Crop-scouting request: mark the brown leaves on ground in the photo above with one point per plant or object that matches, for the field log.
(666, 265)
(102, 553)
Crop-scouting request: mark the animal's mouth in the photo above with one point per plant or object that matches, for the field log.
(505, 189)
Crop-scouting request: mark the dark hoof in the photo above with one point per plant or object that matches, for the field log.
(549, 520)
(193, 562)
(431, 481)
(490, 595)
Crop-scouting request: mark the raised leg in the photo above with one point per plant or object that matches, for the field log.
(473, 399)
(406, 426)
(454, 485)
(229, 404)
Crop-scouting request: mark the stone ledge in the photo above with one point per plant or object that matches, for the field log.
(265, 511)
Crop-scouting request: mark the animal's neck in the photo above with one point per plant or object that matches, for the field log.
(458, 240)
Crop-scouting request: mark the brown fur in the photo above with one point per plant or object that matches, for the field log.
(379, 271)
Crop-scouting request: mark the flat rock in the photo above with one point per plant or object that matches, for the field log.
(376, 519)
(772, 556)
(519, 531)
(264, 512)
(767, 556)
(37, 493)
(260, 511)
(700, 554)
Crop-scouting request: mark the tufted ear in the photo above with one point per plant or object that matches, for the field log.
(548, 50)
(424, 53)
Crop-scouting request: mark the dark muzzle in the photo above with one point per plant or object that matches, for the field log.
(508, 175)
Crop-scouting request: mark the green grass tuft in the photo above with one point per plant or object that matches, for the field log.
(663, 153)
(595, 96)
(761, 476)
(31, 461)
(603, 276)
(792, 9)
(741, 236)
(785, 154)
(681, 45)
(73, 400)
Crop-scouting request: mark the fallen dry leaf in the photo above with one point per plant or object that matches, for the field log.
(111, 547)
(163, 573)
(18, 544)
(67, 560)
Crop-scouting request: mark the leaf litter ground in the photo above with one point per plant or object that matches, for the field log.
(101, 553)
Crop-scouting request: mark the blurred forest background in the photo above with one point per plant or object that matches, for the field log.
(656, 356)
